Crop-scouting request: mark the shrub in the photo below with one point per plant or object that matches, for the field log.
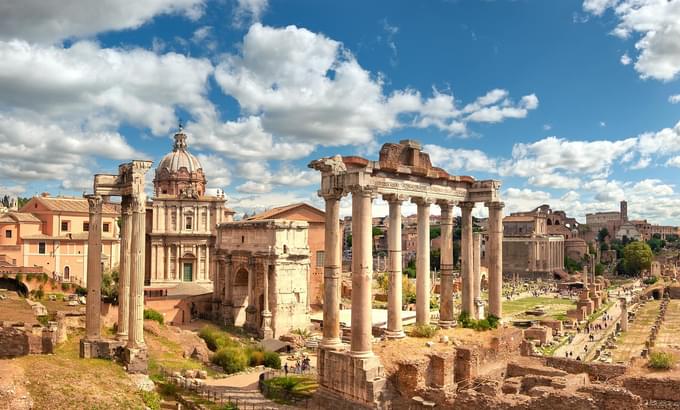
(81, 291)
(43, 320)
(39, 293)
(65, 287)
(20, 277)
(491, 322)
(272, 360)
(150, 314)
(29, 277)
(304, 333)
(168, 390)
(650, 280)
(151, 399)
(216, 338)
(661, 360)
(231, 359)
(228, 406)
(424, 331)
(256, 358)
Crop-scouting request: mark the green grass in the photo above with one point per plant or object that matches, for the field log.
(550, 350)
(599, 312)
(286, 389)
(555, 308)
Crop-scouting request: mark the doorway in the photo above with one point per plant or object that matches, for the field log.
(188, 272)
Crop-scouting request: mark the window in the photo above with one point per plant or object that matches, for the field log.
(64, 225)
(86, 226)
(320, 259)
(106, 227)
(8, 233)
(188, 223)
(41, 248)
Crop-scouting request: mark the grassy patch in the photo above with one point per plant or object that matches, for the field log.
(427, 331)
(288, 389)
(555, 308)
(550, 350)
(599, 312)
(661, 361)
(65, 381)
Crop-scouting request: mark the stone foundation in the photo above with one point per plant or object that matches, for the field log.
(357, 382)
(136, 360)
(109, 349)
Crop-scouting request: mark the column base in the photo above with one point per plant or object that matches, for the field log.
(395, 334)
(332, 344)
(350, 382)
(479, 309)
(136, 360)
(101, 349)
(447, 324)
(89, 349)
(123, 337)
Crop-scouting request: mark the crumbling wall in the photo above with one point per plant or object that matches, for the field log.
(597, 371)
(19, 340)
(654, 388)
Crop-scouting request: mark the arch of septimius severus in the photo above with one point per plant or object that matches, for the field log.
(403, 172)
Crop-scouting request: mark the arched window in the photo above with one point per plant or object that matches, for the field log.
(67, 272)
(241, 278)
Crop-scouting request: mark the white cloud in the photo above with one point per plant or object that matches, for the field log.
(262, 179)
(625, 59)
(674, 99)
(673, 162)
(554, 181)
(249, 11)
(456, 160)
(52, 21)
(663, 142)
(603, 124)
(301, 87)
(216, 170)
(547, 127)
(657, 22)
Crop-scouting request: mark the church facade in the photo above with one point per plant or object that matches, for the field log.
(181, 221)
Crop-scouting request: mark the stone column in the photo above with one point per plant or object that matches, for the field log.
(468, 301)
(136, 330)
(124, 268)
(394, 296)
(477, 274)
(266, 331)
(624, 315)
(495, 252)
(332, 271)
(446, 314)
(423, 262)
(362, 272)
(94, 270)
(227, 304)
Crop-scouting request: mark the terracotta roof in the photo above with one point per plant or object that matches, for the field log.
(272, 213)
(19, 217)
(70, 204)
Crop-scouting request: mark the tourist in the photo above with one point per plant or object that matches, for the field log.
(285, 369)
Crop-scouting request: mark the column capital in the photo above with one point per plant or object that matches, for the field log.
(422, 200)
(494, 205)
(466, 205)
(445, 204)
(138, 203)
(394, 198)
(95, 203)
(363, 190)
(334, 194)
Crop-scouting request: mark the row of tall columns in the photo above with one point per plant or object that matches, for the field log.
(332, 274)
(494, 250)
(423, 262)
(362, 272)
(477, 274)
(446, 312)
(124, 269)
(466, 266)
(395, 329)
(94, 270)
(137, 246)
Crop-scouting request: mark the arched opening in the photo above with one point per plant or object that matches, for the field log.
(67, 273)
(656, 294)
(240, 296)
(557, 222)
(14, 285)
(549, 222)
(188, 262)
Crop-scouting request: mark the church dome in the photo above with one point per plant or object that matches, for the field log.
(179, 173)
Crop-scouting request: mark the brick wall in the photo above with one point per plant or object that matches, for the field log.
(597, 371)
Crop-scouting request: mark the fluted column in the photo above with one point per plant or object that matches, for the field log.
(446, 314)
(331, 274)
(467, 304)
(227, 304)
(394, 297)
(124, 270)
(476, 272)
(362, 272)
(495, 252)
(423, 262)
(136, 325)
(94, 269)
(266, 331)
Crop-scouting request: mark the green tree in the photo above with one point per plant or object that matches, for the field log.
(571, 265)
(435, 231)
(599, 269)
(637, 256)
(656, 243)
(602, 235)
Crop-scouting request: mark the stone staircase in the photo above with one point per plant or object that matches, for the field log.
(244, 398)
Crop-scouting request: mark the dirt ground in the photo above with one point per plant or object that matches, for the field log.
(15, 309)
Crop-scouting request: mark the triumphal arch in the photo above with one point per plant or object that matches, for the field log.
(129, 341)
(353, 374)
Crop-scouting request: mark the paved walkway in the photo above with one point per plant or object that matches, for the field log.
(633, 341)
(581, 340)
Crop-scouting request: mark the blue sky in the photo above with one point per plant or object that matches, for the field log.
(571, 103)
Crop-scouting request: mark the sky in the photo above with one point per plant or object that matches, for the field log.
(573, 103)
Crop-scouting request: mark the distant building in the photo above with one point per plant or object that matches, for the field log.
(51, 233)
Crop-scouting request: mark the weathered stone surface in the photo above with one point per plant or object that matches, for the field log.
(654, 388)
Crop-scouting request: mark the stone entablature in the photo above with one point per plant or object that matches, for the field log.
(262, 280)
